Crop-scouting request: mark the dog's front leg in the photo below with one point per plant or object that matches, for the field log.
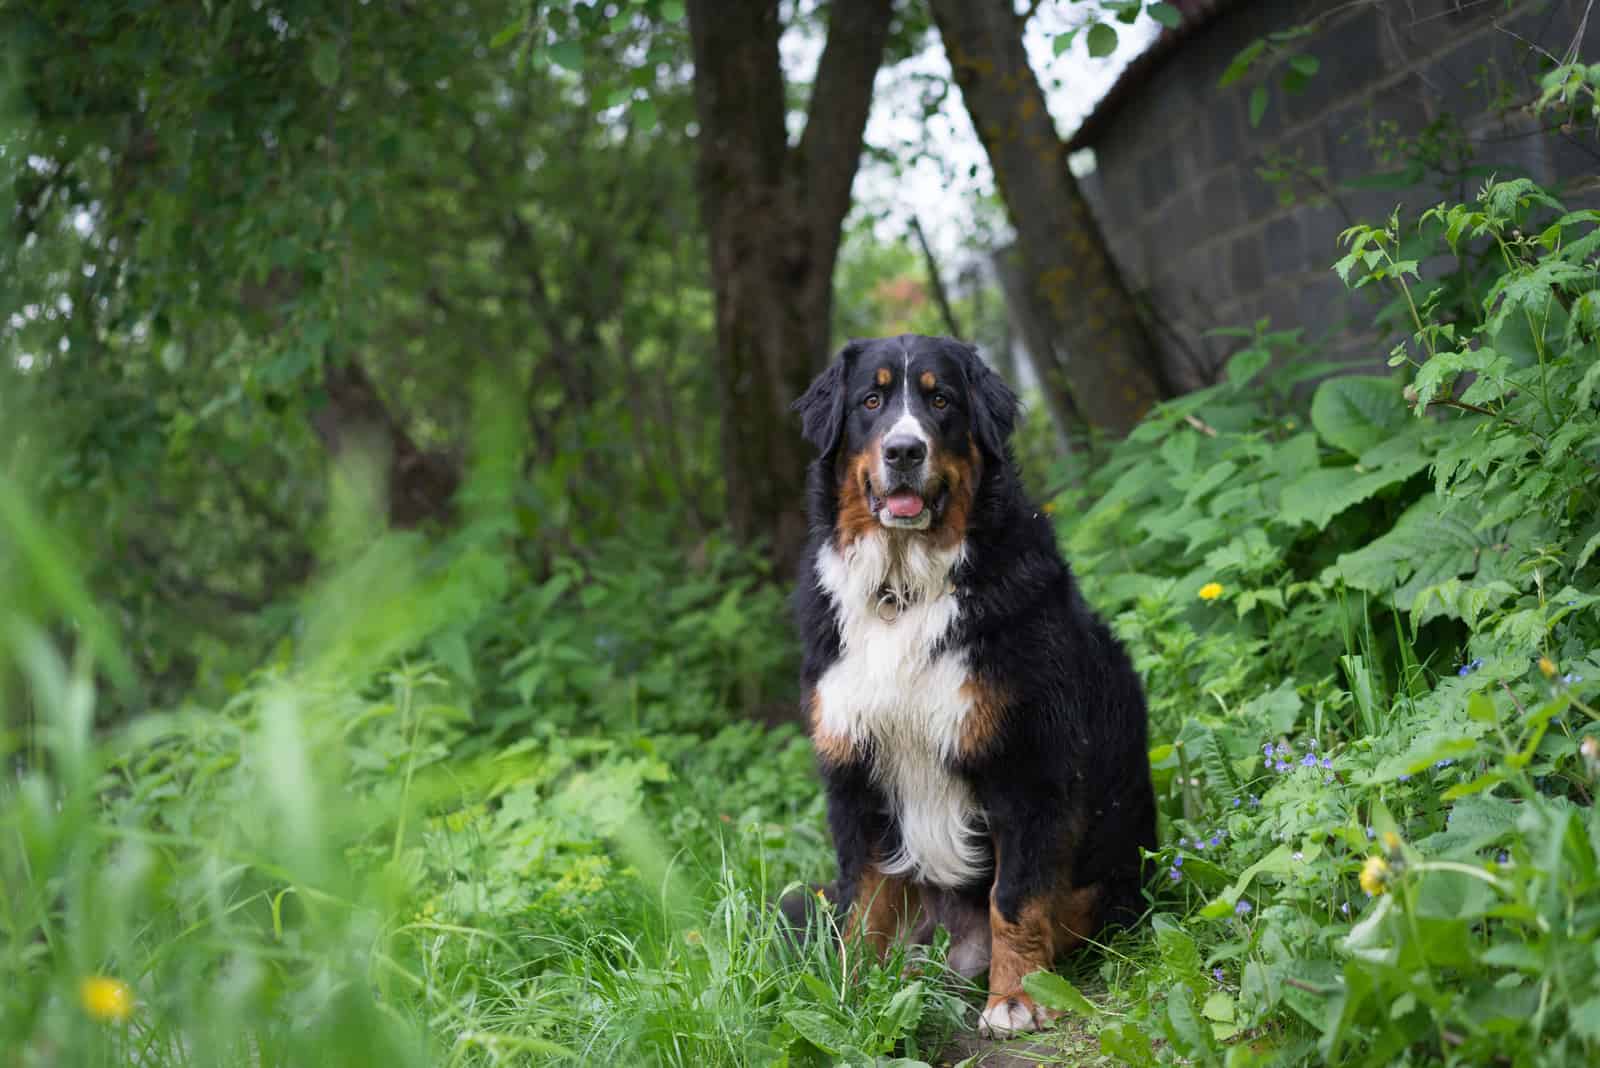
(882, 907)
(1034, 916)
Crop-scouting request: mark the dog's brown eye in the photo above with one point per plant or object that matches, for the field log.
(872, 402)
(940, 401)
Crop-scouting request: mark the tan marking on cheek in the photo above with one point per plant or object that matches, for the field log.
(856, 518)
(928, 380)
(834, 748)
(960, 476)
(885, 376)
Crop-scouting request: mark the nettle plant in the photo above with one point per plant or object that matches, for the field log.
(1369, 637)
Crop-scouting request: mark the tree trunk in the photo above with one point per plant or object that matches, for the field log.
(421, 484)
(1027, 310)
(1100, 346)
(773, 213)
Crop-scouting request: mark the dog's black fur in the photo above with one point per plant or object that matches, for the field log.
(1060, 768)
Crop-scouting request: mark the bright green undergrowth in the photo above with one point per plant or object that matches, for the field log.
(474, 812)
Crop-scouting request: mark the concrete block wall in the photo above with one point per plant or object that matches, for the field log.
(1207, 240)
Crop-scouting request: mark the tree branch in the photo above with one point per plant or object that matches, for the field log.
(836, 119)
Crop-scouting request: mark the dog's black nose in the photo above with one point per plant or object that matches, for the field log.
(904, 453)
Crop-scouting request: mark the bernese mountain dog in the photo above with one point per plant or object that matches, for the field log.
(979, 731)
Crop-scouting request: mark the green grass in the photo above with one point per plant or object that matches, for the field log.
(473, 813)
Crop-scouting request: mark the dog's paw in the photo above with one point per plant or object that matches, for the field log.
(1014, 1015)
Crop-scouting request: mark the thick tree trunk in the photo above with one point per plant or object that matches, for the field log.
(1027, 310)
(1101, 348)
(773, 214)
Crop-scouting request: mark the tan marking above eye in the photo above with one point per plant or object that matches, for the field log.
(928, 380)
(885, 376)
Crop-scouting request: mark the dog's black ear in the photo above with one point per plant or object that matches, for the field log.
(994, 406)
(821, 406)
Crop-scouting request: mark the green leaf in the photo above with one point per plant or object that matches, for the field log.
(1320, 495)
(1356, 412)
(644, 114)
(1246, 364)
(1102, 40)
(568, 54)
(1165, 14)
(1258, 104)
(1054, 992)
(1064, 41)
(1306, 65)
(672, 10)
(325, 62)
(508, 33)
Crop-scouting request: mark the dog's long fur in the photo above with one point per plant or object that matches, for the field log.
(983, 751)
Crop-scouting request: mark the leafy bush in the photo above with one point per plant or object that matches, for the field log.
(1369, 637)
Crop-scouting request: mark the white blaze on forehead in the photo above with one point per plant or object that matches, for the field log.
(907, 424)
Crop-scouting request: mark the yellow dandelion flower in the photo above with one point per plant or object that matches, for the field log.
(106, 999)
(1375, 876)
(1211, 591)
(1547, 666)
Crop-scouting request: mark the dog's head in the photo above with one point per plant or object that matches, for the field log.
(909, 424)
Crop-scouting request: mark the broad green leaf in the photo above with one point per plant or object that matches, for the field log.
(1054, 992)
(1357, 412)
(568, 54)
(1258, 104)
(325, 62)
(1166, 14)
(1102, 39)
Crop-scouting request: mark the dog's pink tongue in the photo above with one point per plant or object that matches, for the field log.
(904, 505)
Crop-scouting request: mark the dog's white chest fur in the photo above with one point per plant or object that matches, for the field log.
(890, 687)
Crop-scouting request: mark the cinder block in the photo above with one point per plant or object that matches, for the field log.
(1220, 202)
(1157, 178)
(1246, 264)
(1286, 252)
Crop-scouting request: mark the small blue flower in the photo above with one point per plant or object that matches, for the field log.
(1175, 875)
(1283, 749)
(1183, 843)
(1280, 767)
(1371, 834)
(1405, 778)
(1237, 802)
(1266, 750)
(1255, 802)
(1345, 908)
(1570, 678)
(1199, 843)
(1308, 761)
(1444, 763)
(1242, 908)
(1177, 862)
(1216, 839)
(1267, 763)
(1504, 858)
(1216, 973)
(1327, 762)
(1327, 780)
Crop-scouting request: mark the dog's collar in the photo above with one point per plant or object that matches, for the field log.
(890, 601)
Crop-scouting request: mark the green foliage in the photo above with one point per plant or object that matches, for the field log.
(1369, 638)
